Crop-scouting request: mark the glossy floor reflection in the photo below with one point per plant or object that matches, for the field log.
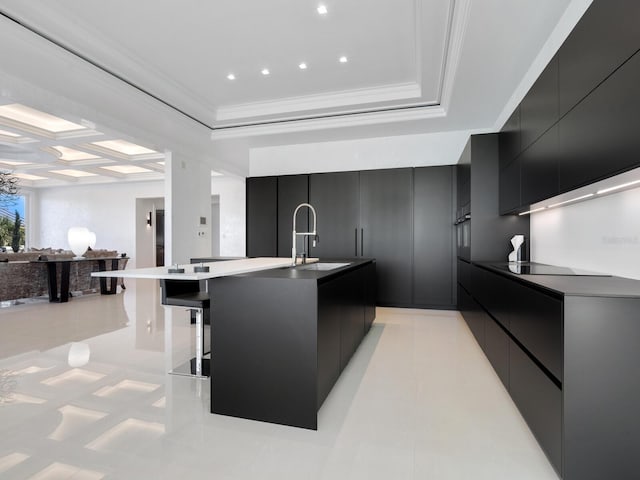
(84, 395)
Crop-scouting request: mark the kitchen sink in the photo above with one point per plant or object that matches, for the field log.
(321, 266)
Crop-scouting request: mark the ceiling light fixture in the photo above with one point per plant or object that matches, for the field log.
(572, 200)
(122, 146)
(343, 59)
(28, 176)
(617, 187)
(38, 119)
(231, 76)
(127, 169)
(8, 134)
(265, 71)
(71, 154)
(73, 173)
(302, 66)
(322, 9)
(13, 163)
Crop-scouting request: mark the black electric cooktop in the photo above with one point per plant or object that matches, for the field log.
(543, 269)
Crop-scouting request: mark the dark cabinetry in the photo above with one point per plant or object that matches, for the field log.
(568, 360)
(336, 198)
(433, 236)
(539, 168)
(401, 217)
(539, 108)
(604, 38)
(599, 137)
(576, 124)
(292, 191)
(262, 217)
(386, 225)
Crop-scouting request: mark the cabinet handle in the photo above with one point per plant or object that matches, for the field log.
(362, 242)
(356, 241)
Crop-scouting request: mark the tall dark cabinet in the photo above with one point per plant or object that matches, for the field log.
(292, 191)
(336, 198)
(401, 217)
(433, 236)
(262, 216)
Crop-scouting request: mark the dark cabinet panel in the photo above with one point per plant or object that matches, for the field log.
(386, 221)
(510, 187)
(262, 217)
(603, 39)
(369, 295)
(539, 401)
(473, 315)
(335, 196)
(599, 137)
(539, 168)
(292, 191)
(496, 348)
(601, 391)
(510, 146)
(433, 236)
(539, 107)
(464, 274)
(349, 302)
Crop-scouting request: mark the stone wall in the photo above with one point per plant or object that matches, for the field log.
(25, 279)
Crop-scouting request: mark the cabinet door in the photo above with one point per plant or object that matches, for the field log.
(335, 196)
(386, 221)
(539, 401)
(292, 191)
(433, 230)
(496, 348)
(539, 169)
(262, 217)
(473, 314)
(539, 107)
(509, 140)
(603, 39)
(510, 187)
(599, 137)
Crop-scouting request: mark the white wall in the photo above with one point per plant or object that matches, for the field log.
(109, 210)
(232, 214)
(602, 235)
(363, 154)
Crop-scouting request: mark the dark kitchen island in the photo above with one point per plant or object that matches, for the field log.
(280, 338)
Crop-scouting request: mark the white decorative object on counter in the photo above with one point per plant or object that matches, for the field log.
(516, 255)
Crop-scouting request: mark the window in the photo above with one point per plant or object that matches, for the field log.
(9, 236)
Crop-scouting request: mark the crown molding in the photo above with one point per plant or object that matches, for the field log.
(339, 121)
(387, 93)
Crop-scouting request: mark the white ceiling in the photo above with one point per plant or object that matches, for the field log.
(414, 66)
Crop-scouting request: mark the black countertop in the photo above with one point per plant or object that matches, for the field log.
(579, 285)
(300, 273)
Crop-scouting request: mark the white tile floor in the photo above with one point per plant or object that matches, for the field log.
(417, 401)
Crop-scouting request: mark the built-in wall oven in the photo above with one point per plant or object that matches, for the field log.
(463, 232)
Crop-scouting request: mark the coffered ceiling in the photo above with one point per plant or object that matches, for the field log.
(336, 70)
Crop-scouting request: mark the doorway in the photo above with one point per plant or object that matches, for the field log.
(159, 238)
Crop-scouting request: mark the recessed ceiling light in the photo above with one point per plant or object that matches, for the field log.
(28, 176)
(322, 9)
(38, 119)
(265, 71)
(343, 59)
(302, 66)
(127, 169)
(122, 146)
(72, 154)
(231, 76)
(8, 134)
(74, 173)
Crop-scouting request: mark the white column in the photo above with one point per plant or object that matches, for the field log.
(187, 200)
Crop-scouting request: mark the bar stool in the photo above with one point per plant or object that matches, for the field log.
(187, 294)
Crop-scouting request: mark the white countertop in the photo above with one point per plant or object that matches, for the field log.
(216, 269)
